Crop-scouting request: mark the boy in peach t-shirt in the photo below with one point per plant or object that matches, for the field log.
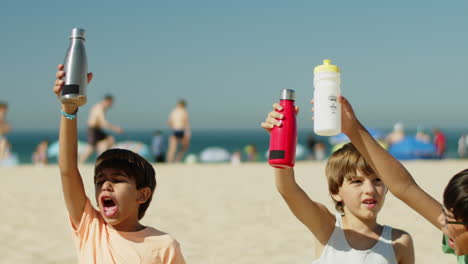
(124, 186)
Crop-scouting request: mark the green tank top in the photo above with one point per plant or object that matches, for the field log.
(448, 250)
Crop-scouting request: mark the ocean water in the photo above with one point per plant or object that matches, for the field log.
(24, 142)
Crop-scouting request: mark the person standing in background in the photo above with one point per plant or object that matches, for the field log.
(317, 149)
(462, 145)
(421, 135)
(440, 143)
(5, 128)
(397, 135)
(39, 157)
(97, 139)
(179, 123)
(158, 147)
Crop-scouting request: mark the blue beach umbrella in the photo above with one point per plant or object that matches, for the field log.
(410, 148)
(53, 150)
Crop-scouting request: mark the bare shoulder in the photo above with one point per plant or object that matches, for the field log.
(401, 237)
(96, 108)
(403, 246)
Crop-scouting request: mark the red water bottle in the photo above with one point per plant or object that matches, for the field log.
(282, 153)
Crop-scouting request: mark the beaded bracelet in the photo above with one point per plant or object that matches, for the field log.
(69, 116)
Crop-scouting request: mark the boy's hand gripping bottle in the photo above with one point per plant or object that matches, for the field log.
(327, 113)
(282, 153)
(76, 70)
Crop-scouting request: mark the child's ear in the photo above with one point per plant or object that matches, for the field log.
(337, 197)
(143, 195)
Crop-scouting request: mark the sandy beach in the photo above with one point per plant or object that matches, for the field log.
(219, 213)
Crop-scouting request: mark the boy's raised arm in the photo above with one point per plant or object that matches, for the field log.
(72, 184)
(390, 170)
(314, 215)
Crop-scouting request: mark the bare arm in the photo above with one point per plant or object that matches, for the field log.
(403, 247)
(169, 120)
(390, 170)
(72, 184)
(188, 129)
(315, 216)
(101, 119)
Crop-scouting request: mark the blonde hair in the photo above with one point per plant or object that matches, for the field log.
(344, 164)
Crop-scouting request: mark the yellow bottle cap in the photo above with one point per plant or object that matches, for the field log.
(327, 67)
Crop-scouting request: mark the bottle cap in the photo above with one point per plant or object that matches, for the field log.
(288, 94)
(327, 67)
(78, 33)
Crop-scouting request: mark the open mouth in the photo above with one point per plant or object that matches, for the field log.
(451, 243)
(109, 206)
(370, 203)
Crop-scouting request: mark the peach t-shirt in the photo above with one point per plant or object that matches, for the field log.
(97, 243)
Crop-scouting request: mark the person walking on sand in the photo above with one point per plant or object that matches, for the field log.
(97, 138)
(440, 143)
(4, 129)
(179, 123)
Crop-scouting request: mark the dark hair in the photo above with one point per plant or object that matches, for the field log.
(3, 105)
(182, 102)
(134, 166)
(109, 97)
(456, 195)
(344, 164)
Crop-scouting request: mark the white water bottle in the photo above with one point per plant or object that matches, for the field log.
(327, 113)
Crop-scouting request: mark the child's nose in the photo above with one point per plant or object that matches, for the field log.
(369, 187)
(106, 186)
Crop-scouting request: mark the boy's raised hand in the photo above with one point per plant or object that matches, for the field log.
(58, 84)
(274, 117)
(349, 121)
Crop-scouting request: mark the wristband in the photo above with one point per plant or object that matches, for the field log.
(69, 116)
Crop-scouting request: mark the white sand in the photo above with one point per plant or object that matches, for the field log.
(219, 213)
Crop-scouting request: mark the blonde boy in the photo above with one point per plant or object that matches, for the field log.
(352, 235)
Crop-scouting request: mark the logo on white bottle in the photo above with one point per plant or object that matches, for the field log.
(333, 103)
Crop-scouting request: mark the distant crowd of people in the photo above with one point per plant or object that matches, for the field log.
(174, 148)
(438, 138)
(98, 140)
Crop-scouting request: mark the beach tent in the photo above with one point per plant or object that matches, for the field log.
(410, 148)
(53, 150)
(301, 152)
(10, 161)
(214, 154)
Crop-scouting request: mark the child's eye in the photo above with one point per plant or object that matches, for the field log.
(356, 181)
(117, 180)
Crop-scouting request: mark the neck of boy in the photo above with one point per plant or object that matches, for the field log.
(127, 228)
(363, 226)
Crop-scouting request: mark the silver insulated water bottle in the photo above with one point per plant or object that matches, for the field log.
(76, 70)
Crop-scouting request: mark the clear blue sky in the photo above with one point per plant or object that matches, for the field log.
(401, 60)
